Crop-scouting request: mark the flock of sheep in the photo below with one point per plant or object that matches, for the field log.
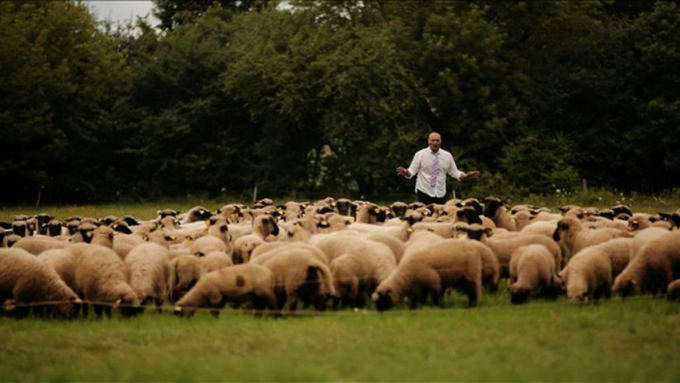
(332, 254)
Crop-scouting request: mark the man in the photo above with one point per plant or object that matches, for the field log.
(432, 164)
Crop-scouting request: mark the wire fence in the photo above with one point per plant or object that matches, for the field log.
(426, 309)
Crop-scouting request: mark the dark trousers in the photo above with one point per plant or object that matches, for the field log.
(426, 199)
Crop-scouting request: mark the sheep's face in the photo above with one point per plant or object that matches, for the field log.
(577, 296)
(19, 228)
(72, 227)
(54, 228)
(518, 295)
(491, 206)
(675, 220)
(383, 299)
(477, 232)
(399, 209)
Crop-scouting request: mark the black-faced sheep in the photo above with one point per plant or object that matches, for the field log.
(236, 284)
(575, 237)
(450, 263)
(38, 243)
(494, 208)
(532, 272)
(588, 275)
(185, 271)
(24, 280)
(149, 273)
(299, 275)
(656, 265)
(504, 245)
(358, 271)
(101, 277)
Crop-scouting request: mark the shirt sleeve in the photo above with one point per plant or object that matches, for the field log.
(453, 169)
(415, 166)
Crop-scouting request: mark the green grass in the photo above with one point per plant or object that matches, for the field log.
(632, 340)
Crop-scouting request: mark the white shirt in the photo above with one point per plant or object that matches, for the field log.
(422, 166)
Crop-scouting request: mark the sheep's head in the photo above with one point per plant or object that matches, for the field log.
(625, 286)
(399, 209)
(469, 215)
(491, 206)
(478, 232)
(19, 228)
(565, 226)
(385, 298)
(54, 228)
(518, 294)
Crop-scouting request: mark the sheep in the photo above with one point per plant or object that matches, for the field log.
(218, 238)
(3, 234)
(84, 232)
(656, 265)
(575, 237)
(399, 208)
(369, 213)
(167, 212)
(335, 245)
(294, 232)
(196, 213)
(619, 251)
(418, 241)
(63, 262)
(215, 260)
(270, 250)
(11, 239)
(673, 290)
(396, 245)
(24, 280)
(185, 271)
(450, 263)
(504, 245)
(444, 230)
(645, 235)
(356, 274)
(244, 246)
(103, 236)
(55, 228)
(101, 276)
(346, 207)
(149, 273)
(588, 275)
(522, 219)
(495, 209)
(402, 231)
(38, 243)
(299, 275)
(21, 229)
(469, 215)
(124, 243)
(236, 284)
(532, 272)
(639, 221)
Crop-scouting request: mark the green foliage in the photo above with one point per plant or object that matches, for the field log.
(327, 98)
(541, 165)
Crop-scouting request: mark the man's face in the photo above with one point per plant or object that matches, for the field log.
(434, 141)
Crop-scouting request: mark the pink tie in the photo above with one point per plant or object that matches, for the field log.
(435, 170)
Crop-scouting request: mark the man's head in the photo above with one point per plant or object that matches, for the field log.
(434, 140)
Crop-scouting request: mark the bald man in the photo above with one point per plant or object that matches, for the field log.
(432, 164)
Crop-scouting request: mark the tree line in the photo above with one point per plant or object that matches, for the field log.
(328, 97)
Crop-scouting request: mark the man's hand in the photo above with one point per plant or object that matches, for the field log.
(470, 174)
(403, 171)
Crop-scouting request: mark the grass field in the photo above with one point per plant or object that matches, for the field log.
(632, 340)
(615, 340)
